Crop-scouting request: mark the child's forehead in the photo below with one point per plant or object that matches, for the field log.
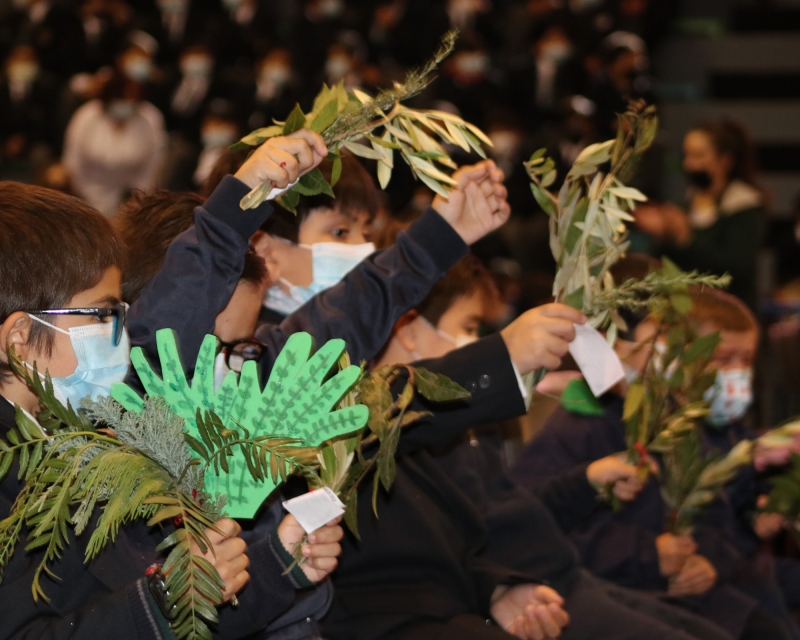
(732, 342)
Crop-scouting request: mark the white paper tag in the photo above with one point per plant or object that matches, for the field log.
(599, 363)
(315, 508)
(277, 193)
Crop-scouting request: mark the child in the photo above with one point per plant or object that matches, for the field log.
(59, 254)
(630, 547)
(492, 551)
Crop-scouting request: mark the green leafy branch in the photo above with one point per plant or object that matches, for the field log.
(784, 497)
(343, 118)
(691, 480)
(343, 463)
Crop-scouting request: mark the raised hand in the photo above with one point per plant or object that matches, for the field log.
(477, 204)
(529, 611)
(283, 159)
(539, 338)
(322, 549)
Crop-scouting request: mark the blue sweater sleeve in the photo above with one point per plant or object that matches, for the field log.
(200, 271)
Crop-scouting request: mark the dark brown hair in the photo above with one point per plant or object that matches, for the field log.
(729, 138)
(148, 223)
(467, 276)
(354, 191)
(52, 247)
(720, 311)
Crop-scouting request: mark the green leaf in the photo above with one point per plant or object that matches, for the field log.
(295, 121)
(633, 400)
(351, 512)
(290, 200)
(437, 387)
(681, 302)
(326, 117)
(543, 199)
(336, 171)
(538, 156)
(313, 183)
(575, 299)
(702, 348)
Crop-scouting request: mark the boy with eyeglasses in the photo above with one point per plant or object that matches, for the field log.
(60, 289)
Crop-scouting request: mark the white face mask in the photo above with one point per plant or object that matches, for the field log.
(471, 64)
(196, 66)
(138, 69)
(337, 66)
(23, 72)
(331, 8)
(461, 340)
(121, 109)
(218, 137)
(274, 74)
(101, 363)
(505, 142)
(331, 262)
(731, 396)
(557, 51)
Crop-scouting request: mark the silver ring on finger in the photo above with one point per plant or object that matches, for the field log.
(234, 601)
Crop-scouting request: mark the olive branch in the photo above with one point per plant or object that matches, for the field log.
(344, 118)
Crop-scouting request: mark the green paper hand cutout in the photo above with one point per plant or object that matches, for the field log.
(294, 404)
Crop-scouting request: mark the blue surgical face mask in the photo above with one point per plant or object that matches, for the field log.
(100, 362)
(731, 396)
(461, 340)
(331, 261)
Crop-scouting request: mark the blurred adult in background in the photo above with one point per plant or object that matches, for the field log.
(467, 82)
(219, 131)
(52, 28)
(621, 76)
(114, 144)
(105, 25)
(275, 91)
(550, 72)
(26, 113)
(719, 228)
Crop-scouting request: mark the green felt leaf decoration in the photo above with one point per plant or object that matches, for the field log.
(295, 405)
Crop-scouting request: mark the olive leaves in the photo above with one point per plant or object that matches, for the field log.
(588, 215)
(375, 128)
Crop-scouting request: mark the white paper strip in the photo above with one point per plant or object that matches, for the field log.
(315, 509)
(277, 193)
(599, 363)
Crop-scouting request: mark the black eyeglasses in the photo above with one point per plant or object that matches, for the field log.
(241, 351)
(119, 312)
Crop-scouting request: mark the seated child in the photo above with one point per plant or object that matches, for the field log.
(458, 550)
(702, 572)
(57, 253)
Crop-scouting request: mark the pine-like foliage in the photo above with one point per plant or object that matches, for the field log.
(152, 459)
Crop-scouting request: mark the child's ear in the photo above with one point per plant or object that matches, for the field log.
(404, 331)
(15, 331)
